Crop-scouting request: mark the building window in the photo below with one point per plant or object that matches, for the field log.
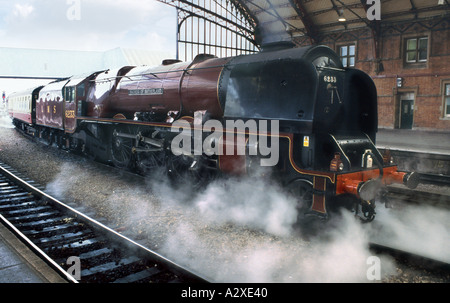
(348, 55)
(447, 100)
(417, 50)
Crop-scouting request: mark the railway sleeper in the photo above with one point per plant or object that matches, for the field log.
(59, 240)
(16, 197)
(26, 211)
(112, 270)
(36, 225)
(34, 217)
(53, 230)
(75, 248)
(144, 275)
(98, 256)
(9, 191)
(17, 206)
(9, 188)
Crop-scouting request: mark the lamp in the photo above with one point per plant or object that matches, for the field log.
(341, 15)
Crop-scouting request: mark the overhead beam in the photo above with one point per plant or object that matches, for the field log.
(244, 11)
(366, 7)
(310, 27)
(413, 8)
(190, 7)
(289, 28)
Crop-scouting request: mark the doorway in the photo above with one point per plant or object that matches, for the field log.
(406, 110)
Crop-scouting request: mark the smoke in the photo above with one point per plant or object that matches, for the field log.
(66, 181)
(241, 230)
(245, 257)
(5, 121)
(421, 229)
(251, 203)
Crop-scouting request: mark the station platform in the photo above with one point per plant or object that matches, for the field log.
(418, 141)
(19, 264)
(424, 152)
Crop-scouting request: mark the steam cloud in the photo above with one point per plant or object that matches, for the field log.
(68, 178)
(248, 203)
(5, 121)
(421, 229)
(232, 244)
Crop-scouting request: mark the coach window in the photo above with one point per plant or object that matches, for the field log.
(447, 100)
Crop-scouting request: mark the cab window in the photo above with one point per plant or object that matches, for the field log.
(80, 90)
(69, 94)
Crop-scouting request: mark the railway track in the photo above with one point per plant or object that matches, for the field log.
(436, 179)
(79, 248)
(418, 197)
(438, 195)
(437, 268)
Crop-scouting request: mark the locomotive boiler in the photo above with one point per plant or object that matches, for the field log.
(324, 135)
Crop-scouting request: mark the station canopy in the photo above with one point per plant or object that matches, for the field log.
(308, 21)
(311, 19)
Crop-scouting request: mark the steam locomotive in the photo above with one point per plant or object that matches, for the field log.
(214, 116)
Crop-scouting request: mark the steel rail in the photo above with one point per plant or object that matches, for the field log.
(425, 262)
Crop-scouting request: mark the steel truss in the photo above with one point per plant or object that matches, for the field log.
(219, 27)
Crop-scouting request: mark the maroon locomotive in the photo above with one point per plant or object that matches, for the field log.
(326, 121)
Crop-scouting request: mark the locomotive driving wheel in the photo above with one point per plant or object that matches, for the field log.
(185, 169)
(148, 162)
(302, 190)
(121, 148)
(150, 159)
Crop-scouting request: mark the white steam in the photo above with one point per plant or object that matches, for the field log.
(241, 230)
(420, 229)
(250, 203)
(342, 257)
(5, 120)
(66, 181)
